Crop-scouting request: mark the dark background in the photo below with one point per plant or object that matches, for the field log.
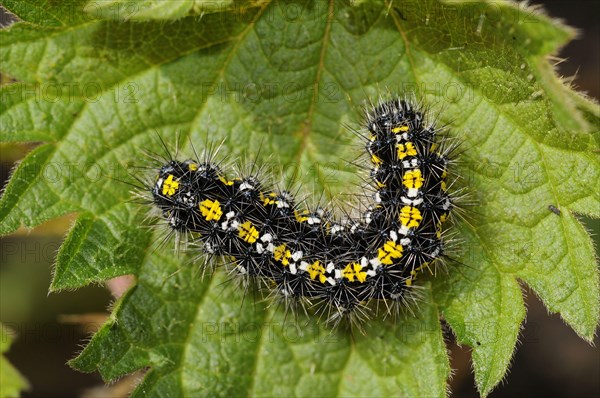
(551, 360)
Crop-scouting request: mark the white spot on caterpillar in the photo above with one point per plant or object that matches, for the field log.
(412, 192)
(313, 220)
(303, 265)
(330, 267)
(267, 237)
(260, 249)
(246, 186)
(297, 255)
(411, 202)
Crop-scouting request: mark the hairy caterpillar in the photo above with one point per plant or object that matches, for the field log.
(307, 255)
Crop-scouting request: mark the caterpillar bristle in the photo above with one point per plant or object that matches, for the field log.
(343, 263)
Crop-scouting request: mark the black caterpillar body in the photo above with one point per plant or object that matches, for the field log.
(308, 255)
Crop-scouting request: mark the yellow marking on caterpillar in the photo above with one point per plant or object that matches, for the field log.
(211, 210)
(421, 267)
(405, 150)
(443, 186)
(380, 184)
(389, 252)
(400, 129)
(316, 269)
(225, 181)
(282, 254)
(376, 160)
(301, 217)
(247, 232)
(372, 138)
(170, 186)
(410, 216)
(354, 270)
(268, 199)
(411, 278)
(413, 273)
(413, 179)
(192, 167)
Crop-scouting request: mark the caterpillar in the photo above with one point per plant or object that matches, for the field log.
(305, 255)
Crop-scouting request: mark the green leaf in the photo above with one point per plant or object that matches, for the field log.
(485, 309)
(11, 381)
(47, 12)
(141, 10)
(282, 80)
(199, 341)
